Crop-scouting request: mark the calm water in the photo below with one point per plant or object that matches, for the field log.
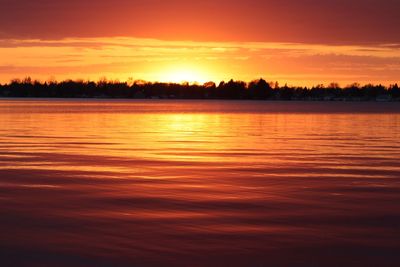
(186, 183)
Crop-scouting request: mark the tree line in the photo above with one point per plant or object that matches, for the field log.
(235, 90)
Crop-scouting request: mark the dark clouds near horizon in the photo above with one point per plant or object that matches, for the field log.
(302, 21)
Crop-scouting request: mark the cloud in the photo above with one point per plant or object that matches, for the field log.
(300, 21)
(150, 59)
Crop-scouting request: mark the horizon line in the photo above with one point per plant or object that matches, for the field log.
(131, 82)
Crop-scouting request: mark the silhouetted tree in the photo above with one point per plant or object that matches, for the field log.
(258, 89)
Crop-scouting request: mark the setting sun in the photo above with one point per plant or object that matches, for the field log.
(182, 74)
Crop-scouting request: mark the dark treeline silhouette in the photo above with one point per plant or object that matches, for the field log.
(255, 90)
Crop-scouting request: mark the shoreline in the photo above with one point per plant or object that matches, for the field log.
(204, 99)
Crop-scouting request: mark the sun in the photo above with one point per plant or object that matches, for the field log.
(182, 74)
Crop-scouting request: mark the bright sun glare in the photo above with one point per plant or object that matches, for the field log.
(183, 74)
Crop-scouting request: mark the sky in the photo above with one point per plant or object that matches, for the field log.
(299, 42)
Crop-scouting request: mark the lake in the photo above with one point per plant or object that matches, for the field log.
(199, 183)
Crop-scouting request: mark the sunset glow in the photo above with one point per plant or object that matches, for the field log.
(125, 58)
(181, 74)
(199, 133)
(173, 41)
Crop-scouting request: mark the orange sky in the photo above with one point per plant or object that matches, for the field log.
(301, 42)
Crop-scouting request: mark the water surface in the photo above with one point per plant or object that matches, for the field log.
(192, 183)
